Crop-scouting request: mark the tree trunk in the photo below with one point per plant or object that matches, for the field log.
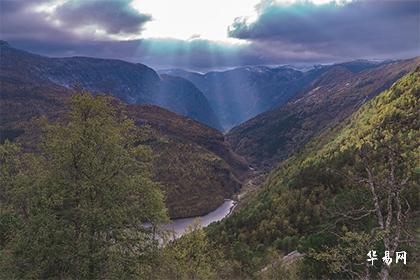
(91, 254)
(385, 272)
(366, 275)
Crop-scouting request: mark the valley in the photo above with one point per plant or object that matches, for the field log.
(185, 151)
(299, 106)
(334, 95)
(264, 185)
(309, 199)
(210, 140)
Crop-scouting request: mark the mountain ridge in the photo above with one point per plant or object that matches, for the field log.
(130, 82)
(186, 151)
(241, 93)
(337, 92)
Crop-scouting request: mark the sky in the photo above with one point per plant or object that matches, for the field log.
(213, 34)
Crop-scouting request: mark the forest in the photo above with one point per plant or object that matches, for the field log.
(76, 202)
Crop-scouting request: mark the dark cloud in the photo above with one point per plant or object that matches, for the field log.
(19, 20)
(298, 33)
(33, 30)
(11, 6)
(114, 16)
(358, 28)
(158, 53)
(23, 19)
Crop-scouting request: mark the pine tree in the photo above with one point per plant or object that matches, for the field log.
(90, 202)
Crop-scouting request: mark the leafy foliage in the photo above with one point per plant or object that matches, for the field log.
(303, 199)
(76, 209)
(190, 161)
(191, 257)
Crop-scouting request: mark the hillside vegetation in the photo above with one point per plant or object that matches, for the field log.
(191, 161)
(320, 201)
(85, 205)
(333, 96)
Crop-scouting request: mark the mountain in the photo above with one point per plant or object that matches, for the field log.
(359, 65)
(193, 162)
(317, 201)
(172, 94)
(239, 94)
(336, 93)
(132, 83)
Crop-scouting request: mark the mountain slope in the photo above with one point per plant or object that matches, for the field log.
(195, 166)
(334, 95)
(172, 94)
(132, 83)
(188, 130)
(193, 162)
(296, 206)
(239, 94)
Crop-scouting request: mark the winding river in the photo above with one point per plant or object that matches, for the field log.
(179, 226)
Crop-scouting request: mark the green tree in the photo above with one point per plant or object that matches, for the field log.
(383, 167)
(90, 197)
(191, 257)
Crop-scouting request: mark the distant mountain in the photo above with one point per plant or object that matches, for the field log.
(242, 93)
(336, 93)
(132, 83)
(172, 93)
(193, 162)
(239, 94)
(359, 65)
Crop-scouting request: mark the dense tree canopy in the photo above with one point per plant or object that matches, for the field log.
(82, 204)
(77, 208)
(320, 201)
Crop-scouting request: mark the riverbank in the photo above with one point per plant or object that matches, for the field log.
(178, 226)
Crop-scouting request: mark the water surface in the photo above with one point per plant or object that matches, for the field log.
(179, 226)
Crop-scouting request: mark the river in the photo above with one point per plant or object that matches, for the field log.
(179, 226)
